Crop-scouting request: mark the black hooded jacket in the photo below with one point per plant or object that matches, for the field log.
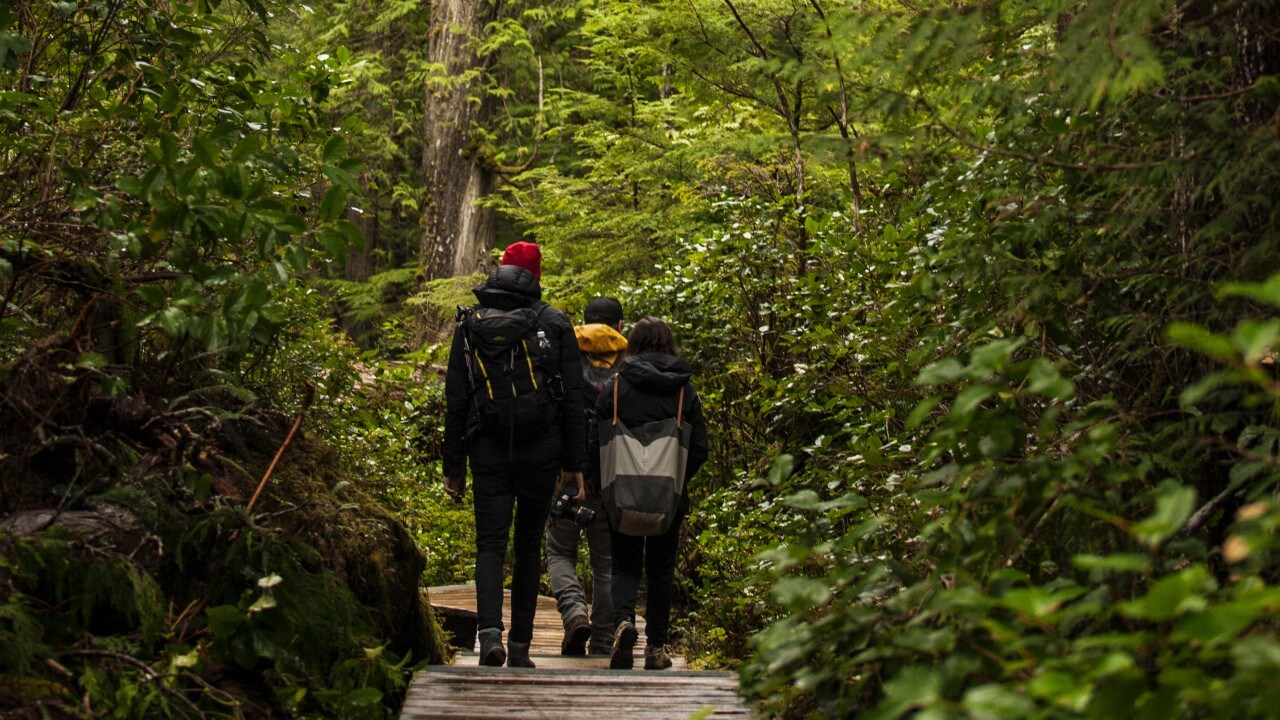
(560, 445)
(649, 389)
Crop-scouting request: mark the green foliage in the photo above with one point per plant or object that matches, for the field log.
(172, 172)
(393, 430)
(1033, 452)
(176, 180)
(981, 300)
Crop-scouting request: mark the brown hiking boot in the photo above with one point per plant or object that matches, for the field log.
(656, 657)
(624, 644)
(576, 634)
(492, 654)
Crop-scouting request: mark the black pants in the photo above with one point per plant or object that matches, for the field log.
(655, 557)
(498, 495)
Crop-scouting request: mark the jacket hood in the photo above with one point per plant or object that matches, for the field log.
(655, 372)
(509, 287)
(600, 343)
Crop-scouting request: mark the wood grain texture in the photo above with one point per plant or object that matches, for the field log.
(568, 688)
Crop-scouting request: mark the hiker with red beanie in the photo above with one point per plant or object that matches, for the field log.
(513, 394)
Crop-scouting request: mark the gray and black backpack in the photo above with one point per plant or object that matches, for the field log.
(642, 470)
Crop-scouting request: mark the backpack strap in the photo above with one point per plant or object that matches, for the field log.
(529, 361)
(680, 406)
(616, 380)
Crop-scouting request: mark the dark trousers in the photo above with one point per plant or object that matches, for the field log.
(655, 557)
(498, 495)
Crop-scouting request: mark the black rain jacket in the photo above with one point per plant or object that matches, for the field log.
(650, 387)
(559, 445)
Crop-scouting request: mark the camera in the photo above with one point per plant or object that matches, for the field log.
(563, 506)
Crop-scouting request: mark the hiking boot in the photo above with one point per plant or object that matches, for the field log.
(518, 655)
(624, 644)
(576, 634)
(492, 653)
(656, 657)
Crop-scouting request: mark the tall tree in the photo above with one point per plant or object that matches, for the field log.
(455, 231)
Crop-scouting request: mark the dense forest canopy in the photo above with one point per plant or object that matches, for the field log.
(983, 301)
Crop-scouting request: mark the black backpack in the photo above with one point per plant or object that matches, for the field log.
(593, 381)
(512, 365)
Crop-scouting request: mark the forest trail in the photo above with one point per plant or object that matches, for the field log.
(560, 687)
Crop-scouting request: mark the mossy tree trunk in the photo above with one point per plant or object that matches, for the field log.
(455, 232)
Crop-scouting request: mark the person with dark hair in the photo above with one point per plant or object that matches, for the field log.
(514, 412)
(601, 341)
(652, 384)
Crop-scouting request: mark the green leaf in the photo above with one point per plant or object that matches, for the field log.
(922, 411)
(942, 372)
(1172, 596)
(1253, 338)
(224, 620)
(91, 361)
(334, 244)
(995, 702)
(1045, 380)
(130, 185)
(246, 147)
(1116, 562)
(798, 592)
(168, 149)
(992, 357)
(341, 178)
(333, 205)
(84, 199)
(362, 698)
(174, 322)
(804, 500)
(297, 258)
(334, 149)
(1223, 622)
(153, 296)
(12, 46)
(204, 151)
(1267, 293)
(1039, 602)
(284, 222)
(1194, 337)
(1174, 505)
(780, 470)
(914, 687)
(353, 234)
(970, 398)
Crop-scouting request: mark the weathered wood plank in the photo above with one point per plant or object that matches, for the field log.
(568, 688)
(551, 659)
(501, 693)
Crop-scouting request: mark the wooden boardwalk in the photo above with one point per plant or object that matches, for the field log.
(572, 688)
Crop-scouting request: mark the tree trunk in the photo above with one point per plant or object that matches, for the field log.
(455, 233)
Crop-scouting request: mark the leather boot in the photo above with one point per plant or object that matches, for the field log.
(656, 657)
(576, 634)
(492, 653)
(518, 655)
(624, 644)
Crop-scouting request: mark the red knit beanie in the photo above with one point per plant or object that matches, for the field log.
(526, 255)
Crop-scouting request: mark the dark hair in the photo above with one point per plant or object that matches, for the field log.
(604, 310)
(650, 334)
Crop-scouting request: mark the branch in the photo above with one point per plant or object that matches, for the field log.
(311, 391)
(118, 657)
(1043, 160)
